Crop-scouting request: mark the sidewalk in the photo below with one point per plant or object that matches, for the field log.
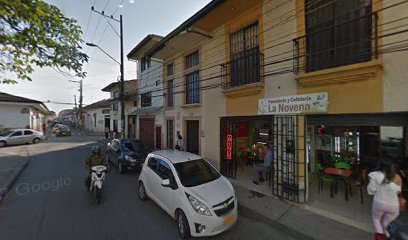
(11, 166)
(293, 220)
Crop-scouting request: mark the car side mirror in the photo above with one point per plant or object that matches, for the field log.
(166, 183)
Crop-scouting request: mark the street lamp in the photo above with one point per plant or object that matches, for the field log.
(107, 54)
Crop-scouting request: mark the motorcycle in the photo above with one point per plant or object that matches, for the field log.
(97, 178)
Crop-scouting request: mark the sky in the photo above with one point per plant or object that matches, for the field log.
(140, 18)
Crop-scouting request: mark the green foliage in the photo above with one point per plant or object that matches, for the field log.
(35, 33)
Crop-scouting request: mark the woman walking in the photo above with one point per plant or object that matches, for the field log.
(385, 185)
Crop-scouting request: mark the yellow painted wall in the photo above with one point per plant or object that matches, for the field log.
(358, 96)
(245, 105)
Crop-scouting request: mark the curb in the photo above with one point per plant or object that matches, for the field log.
(9, 184)
(256, 216)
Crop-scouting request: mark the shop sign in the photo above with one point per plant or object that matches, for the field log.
(306, 103)
(229, 146)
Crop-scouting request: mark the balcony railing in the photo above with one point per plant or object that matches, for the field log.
(245, 68)
(345, 43)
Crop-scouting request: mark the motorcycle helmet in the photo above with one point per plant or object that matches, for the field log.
(96, 150)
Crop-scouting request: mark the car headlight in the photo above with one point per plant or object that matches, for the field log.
(198, 206)
(129, 158)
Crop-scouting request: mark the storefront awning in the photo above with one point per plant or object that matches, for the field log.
(145, 110)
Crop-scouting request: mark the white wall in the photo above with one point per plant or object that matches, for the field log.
(11, 116)
(100, 120)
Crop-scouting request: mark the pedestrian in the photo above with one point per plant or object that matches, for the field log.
(44, 128)
(107, 132)
(180, 142)
(385, 185)
(264, 167)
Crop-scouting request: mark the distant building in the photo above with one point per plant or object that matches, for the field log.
(20, 112)
(96, 116)
(131, 97)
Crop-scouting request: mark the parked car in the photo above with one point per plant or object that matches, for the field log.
(127, 153)
(55, 127)
(190, 190)
(63, 130)
(20, 136)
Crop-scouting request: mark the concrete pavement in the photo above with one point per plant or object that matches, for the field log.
(13, 160)
(294, 219)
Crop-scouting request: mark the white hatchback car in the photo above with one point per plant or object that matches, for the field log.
(187, 187)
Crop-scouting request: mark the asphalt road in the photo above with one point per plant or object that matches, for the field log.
(49, 202)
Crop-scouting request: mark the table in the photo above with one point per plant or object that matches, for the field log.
(343, 174)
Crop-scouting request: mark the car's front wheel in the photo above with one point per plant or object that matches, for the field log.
(36, 140)
(142, 192)
(182, 223)
(2, 144)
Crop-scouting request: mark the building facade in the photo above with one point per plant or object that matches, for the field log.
(19, 112)
(148, 115)
(322, 82)
(130, 98)
(96, 116)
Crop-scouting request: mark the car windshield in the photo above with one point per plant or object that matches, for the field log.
(134, 146)
(195, 172)
(6, 133)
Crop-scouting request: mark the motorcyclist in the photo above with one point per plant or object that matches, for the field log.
(95, 159)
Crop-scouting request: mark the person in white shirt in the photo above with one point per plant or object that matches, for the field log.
(385, 185)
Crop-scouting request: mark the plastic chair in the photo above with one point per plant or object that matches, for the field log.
(324, 178)
(342, 165)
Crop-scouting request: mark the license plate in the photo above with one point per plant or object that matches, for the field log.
(229, 218)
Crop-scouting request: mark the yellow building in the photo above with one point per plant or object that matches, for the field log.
(322, 81)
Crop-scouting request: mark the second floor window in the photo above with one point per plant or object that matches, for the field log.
(338, 33)
(170, 93)
(245, 56)
(144, 64)
(146, 99)
(192, 59)
(170, 69)
(193, 88)
(115, 106)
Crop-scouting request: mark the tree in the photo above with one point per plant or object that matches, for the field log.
(35, 33)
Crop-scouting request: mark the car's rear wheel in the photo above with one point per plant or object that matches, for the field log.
(182, 223)
(3, 143)
(36, 140)
(142, 192)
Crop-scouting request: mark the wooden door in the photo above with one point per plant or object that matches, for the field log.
(193, 139)
(147, 131)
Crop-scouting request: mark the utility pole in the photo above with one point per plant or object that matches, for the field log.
(80, 104)
(76, 112)
(122, 80)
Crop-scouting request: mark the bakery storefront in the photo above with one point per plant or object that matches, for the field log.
(280, 121)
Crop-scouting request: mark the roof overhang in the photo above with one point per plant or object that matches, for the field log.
(184, 27)
(143, 46)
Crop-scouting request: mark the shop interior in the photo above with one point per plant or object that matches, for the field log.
(250, 137)
(339, 159)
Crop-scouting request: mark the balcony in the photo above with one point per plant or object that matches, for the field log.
(246, 70)
(338, 48)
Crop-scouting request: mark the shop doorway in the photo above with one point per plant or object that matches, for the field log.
(147, 131)
(351, 146)
(193, 140)
(243, 141)
(158, 137)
